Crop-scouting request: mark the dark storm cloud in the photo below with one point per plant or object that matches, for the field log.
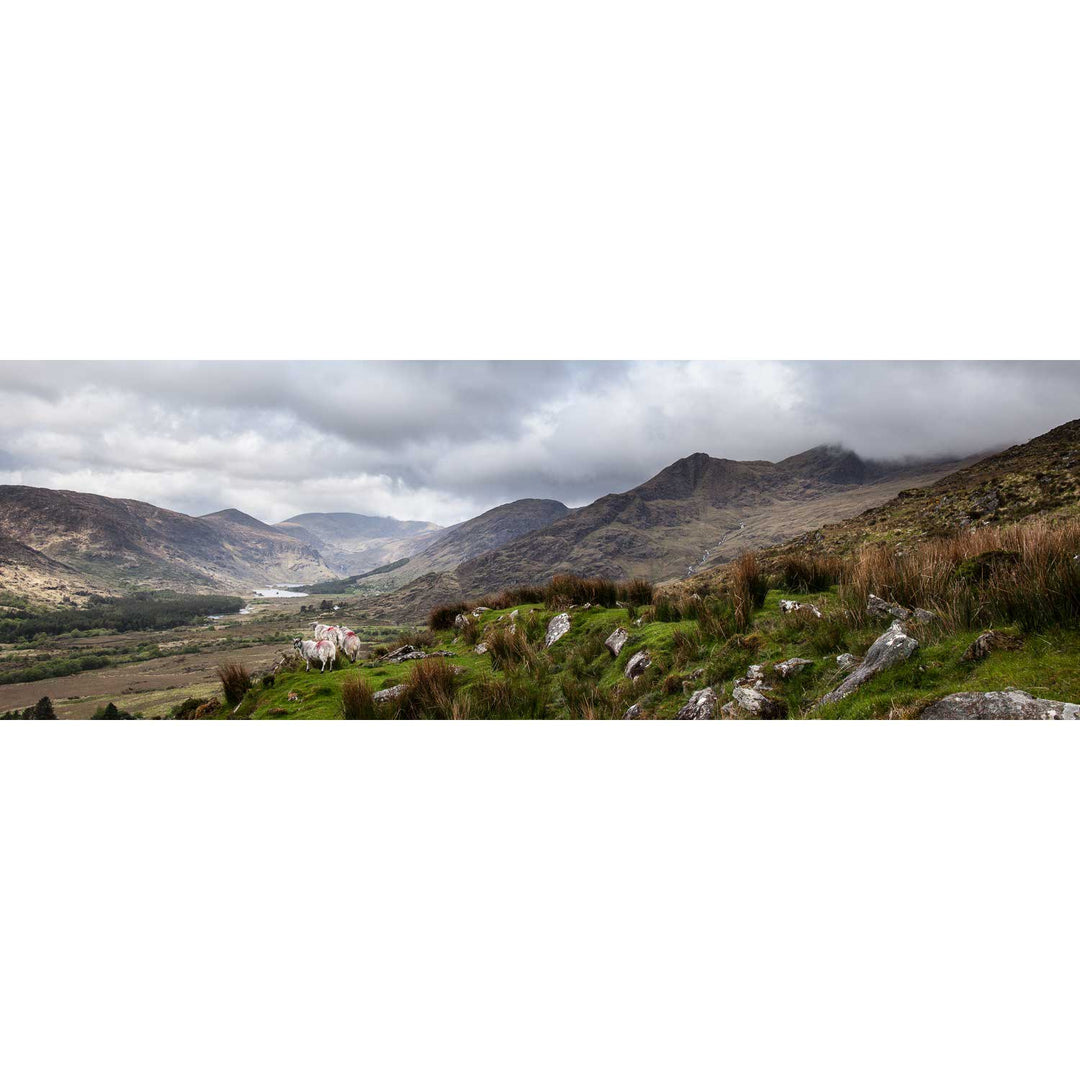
(442, 441)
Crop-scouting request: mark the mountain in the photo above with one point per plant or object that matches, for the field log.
(479, 535)
(354, 543)
(698, 511)
(1039, 478)
(108, 545)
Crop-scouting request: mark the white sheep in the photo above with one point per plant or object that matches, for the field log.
(350, 644)
(322, 652)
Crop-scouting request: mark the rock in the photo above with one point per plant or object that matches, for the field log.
(753, 701)
(403, 653)
(460, 622)
(637, 663)
(622, 604)
(793, 605)
(923, 616)
(639, 620)
(481, 649)
(633, 713)
(786, 668)
(701, 706)
(884, 610)
(892, 648)
(616, 640)
(556, 628)
(477, 612)
(846, 661)
(389, 694)
(999, 705)
(514, 614)
(755, 673)
(991, 641)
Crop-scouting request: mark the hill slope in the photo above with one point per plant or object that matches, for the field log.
(115, 544)
(1039, 478)
(698, 511)
(354, 543)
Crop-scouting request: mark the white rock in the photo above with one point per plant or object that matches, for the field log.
(701, 706)
(616, 640)
(786, 668)
(558, 626)
(637, 663)
(892, 648)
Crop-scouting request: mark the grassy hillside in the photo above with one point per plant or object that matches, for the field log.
(1021, 581)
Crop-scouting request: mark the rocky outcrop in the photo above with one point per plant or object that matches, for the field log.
(999, 705)
(991, 641)
(637, 664)
(846, 661)
(616, 640)
(786, 668)
(402, 653)
(558, 626)
(635, 712)
(389, 694)
(750, 701)
(701, 706)
(460, 622)
(883, 609)
(892, 648)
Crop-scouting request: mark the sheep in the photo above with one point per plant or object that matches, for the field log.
(350, 645)
(323, 652)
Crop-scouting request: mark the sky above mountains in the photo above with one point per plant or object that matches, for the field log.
(443, 441)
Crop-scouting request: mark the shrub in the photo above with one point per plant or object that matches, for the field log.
(516, 697)
(809, 573)
(429, 691)
(358, 699)
(509, 648)
(666, 610)
(443, 616)
(235, 681)
(187, 708)
(417, 639)
(749, 579)
(637, 591)
(472, 631)
(44, 710)
(566, 589)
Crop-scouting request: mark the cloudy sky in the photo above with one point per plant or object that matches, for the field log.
(443, 441)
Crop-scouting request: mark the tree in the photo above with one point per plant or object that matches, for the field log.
(44, 710)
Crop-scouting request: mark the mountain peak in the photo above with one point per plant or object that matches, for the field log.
(237, 517)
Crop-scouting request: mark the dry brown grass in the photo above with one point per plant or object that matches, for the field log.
(358, 699)
(235, 681)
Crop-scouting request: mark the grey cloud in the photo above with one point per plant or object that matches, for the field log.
(442, 441)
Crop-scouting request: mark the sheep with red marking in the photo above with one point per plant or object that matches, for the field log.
(350, 644)
(321, 652)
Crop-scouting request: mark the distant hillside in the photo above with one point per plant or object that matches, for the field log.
(1037, 478)
(698, 511)
(111, 545)
(355, 543)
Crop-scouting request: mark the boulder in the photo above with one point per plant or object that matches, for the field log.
(991, 641)
(389, 694)
(883, 609)
(477, 612)
(460, 622)
(701, 706)
(999, 705)
(923, 616)
(637, 663)
(755, 673)
(633, 713)
(846, 661)
(514, 614)
(786, 668)
(892, 648)
(402, 653)
(558, 626)
(616, 640)
(481, 649)
(754, 702)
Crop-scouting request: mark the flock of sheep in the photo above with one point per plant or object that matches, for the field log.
(327, 643)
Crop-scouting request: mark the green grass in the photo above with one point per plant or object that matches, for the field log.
(1048, 665)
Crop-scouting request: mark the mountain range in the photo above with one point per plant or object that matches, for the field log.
(695, 514)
